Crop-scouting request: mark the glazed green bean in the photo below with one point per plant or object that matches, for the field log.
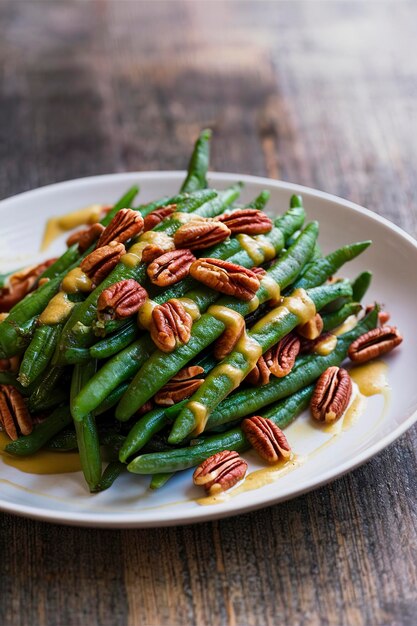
(44, 388)
(157, 463)
(159, 480)
(161, 367)
(229, 374)
(110, 474)
(332, 320)
(38, 353)
(122, 338)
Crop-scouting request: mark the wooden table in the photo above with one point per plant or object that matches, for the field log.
(323, 94)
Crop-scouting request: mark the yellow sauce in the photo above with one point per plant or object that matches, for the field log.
(273, 289)
(259, 248)
(231, 319)
(145, 313)
(349, 324)
(200, 416)
(371, 378)
(75, 281)
(43, 462)
(3, 316)
(57, 226)
(255, 480)
(57, 310)
(191, 308)
(184, 218)
(326, 346)
(301, 305)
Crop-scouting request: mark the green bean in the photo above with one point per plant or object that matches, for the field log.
(44, 388)
(361, 285)
(319, 270)
(111, 400)
(56, 397)
(197, 168)
(68, 258)
(39, 353)
(305, 371)
(159, 463)
(332, 320)
(41, 434)
(161, 367)
(229, 374)
(110, 474)
(118, 341)
(125, 202)
(260, 201)
(86, 429)
(159, 480)
(117, 370)
(64, 441)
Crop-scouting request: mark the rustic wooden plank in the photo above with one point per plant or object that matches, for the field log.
(318, 93)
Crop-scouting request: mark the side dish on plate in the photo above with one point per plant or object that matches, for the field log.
(180, 333)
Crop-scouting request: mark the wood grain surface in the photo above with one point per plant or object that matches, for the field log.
(320, 93)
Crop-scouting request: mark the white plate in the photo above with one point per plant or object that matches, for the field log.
(392, 258)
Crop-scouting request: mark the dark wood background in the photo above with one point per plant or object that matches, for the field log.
(321, 93)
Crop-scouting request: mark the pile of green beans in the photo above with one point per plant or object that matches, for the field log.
(89, 378)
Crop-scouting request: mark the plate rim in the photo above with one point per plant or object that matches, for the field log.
(130, 520)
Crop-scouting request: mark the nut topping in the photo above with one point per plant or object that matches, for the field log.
(85, 237)
(198, 234)
(99, 263)
(124, 225)
(14, 415)
(171, 267)
(157, 215)
(247, 221)
(170, 325)
(20, 283)
(259, 271)
(181, 386)
(281, 357)
(260, 374)
(233, 280)
(374, 343)
(10, 365)
(331, 395)
(121, 300)
(266, 438)
(312, 328)
(220, 472)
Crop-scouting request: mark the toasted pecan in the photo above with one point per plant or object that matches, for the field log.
(220, 472)
(225, 277)
(247, 221)
(121, 300)
(170, 325)
(171, 267)
(124, 225)
(199, 234)
(99, 263)
(15, 418)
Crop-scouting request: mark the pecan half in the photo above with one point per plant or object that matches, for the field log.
(260, 374)
(14, 415)
(170, 267)
(121, 300)
(374, 343)
(247, 221)
(383, 316)
(331, 395)
(233, 280)
(266, 438)
(220, 472)
(170, 325)
(229, 338)
(157, 215)
(20, 283)
(85, 237)
(99, 263)
(312, 328)
(198, 234)
(281, 357)
(124, 225)
(181, 386)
